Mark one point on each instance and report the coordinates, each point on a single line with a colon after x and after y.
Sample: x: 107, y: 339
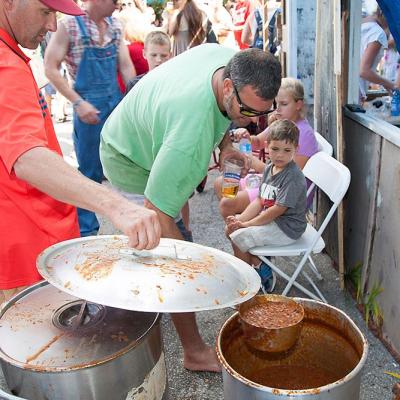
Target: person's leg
x: 197, y: 356
x: 187, y: 235
x: 86, y: 143
x: 245, y: 256
x: 49, y: 99
x: 186, y: 215
x: 218, y: 187
x: 6, y: 294
x: 235, y: 205
x: 49, y: 92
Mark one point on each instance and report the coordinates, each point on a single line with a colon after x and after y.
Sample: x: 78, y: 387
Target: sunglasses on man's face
x: 247, y: 111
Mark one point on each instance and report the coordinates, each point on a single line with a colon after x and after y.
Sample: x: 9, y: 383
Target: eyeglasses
x: 247, y: 111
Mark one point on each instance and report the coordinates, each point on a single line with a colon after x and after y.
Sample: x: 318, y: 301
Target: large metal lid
x: 94, y: 269
x: 37, y: 330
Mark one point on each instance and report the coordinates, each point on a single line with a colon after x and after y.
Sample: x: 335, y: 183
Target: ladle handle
x: 78, y: 319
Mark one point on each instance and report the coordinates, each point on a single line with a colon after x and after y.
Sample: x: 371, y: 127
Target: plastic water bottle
x: 253, y: 181
x: 245, y: 146
x: 395, y: 103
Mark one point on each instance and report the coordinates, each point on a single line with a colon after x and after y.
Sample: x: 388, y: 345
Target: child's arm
x: 251, y: 211
x: 257, y: 165
x: 265, y: 217
x: 172, y: 21
x: 258, y: 141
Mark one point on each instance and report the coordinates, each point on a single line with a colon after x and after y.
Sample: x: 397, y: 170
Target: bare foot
x: 204, y: 360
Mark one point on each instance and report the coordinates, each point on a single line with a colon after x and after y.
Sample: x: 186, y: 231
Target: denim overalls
x: 96, y: 82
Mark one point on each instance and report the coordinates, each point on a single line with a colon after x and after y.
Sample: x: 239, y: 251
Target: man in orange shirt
x: 36, y: 185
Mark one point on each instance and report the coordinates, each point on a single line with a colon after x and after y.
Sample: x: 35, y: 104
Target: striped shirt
x: 76, y: 47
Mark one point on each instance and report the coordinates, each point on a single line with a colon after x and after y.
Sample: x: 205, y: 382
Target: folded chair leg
x: 287, y: 277
x: 313, y: 267
x: 315, y: 287
x: 295, y: 274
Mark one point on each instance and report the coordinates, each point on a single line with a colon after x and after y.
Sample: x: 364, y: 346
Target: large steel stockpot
x: 112, y: 354
x: 325, y: 363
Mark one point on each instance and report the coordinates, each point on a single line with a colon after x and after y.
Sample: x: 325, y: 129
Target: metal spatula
x: 146, y: 253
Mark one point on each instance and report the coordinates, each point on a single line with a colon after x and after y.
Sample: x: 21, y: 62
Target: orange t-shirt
x: 240, y: 14
x: 30, y: 220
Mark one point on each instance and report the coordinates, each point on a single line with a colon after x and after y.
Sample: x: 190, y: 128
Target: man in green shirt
x: 159, y: 139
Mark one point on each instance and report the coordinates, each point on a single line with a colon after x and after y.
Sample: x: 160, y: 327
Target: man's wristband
x: 76, y: 103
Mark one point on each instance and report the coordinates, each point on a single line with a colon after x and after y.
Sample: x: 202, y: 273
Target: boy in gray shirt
x: 277, y: 215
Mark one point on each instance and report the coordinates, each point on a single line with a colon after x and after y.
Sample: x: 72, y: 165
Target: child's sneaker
x: 268, y: 277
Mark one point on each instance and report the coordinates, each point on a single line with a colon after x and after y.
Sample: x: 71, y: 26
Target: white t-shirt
x: 371, y: 32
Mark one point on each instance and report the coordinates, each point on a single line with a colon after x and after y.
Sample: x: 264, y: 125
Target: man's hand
x: 140, y: 224
x: 87, y: 113
x: 239, y: 134
x: 231, y: 152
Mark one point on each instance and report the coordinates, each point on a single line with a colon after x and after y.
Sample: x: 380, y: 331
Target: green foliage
x: 371, y: 305
x: 369, y: 301
x: 354, y: 276
x: 158, y: 7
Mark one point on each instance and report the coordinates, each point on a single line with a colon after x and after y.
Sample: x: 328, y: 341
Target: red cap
x: 64, y: 6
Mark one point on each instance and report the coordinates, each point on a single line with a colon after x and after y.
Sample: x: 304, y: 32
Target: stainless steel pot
x: 331, y: 350
x: 112, y: 354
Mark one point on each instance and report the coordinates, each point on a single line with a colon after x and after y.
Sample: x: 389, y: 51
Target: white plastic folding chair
x: 326, y: 147
x: 333, y: 178
x: 323, y: 144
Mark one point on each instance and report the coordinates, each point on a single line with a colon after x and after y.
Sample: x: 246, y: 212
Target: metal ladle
x: 271, y: 340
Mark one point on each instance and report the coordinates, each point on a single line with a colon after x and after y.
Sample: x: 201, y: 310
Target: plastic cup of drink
x: 231, y: 177
x: 253, y: 181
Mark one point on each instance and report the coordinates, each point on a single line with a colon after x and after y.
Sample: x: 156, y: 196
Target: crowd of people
x: 153, y: 96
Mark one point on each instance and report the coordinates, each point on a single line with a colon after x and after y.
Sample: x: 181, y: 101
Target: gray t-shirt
x: 286, y: 188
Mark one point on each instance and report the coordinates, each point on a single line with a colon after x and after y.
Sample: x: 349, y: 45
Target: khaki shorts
x: 262, y: 235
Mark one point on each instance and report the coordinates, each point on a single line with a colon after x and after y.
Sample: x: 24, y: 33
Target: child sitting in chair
x: 277, y: 215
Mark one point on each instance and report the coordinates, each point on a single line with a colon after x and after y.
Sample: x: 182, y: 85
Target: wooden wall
x: 300, y: 24
x: 372, y: 226
x: 325, y: 104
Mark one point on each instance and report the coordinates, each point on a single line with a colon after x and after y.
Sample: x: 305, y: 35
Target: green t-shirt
x: 159, y: 139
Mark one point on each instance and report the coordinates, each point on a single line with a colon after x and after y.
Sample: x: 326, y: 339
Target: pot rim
x: 47, y: 369
x: 290, y: 392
